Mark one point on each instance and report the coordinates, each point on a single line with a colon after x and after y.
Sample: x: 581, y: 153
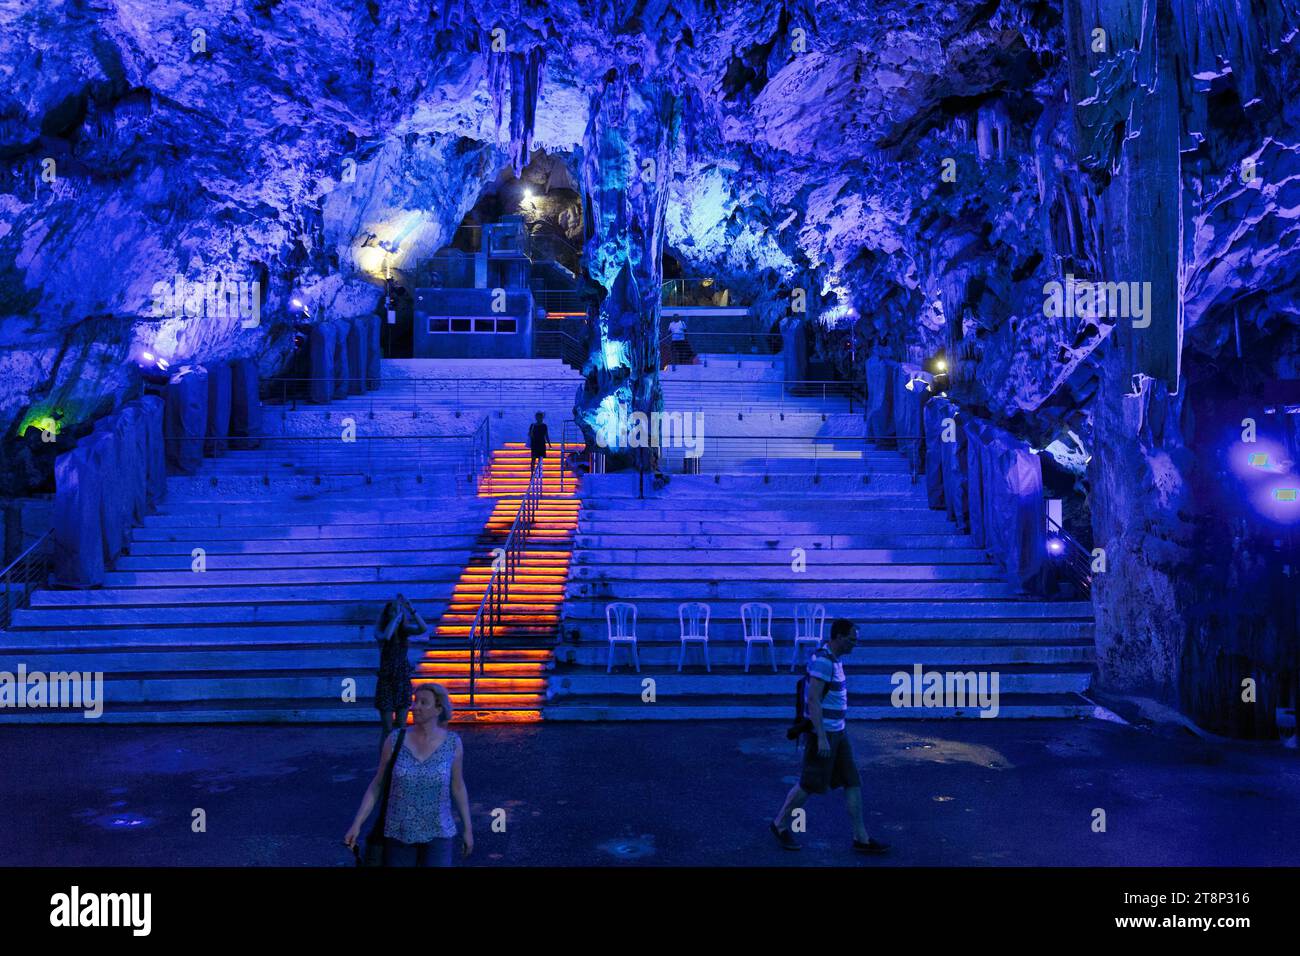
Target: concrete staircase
x: 281, y: 617
x: 920, y: 592
x: 754, y: 424
x: 785, y: 477
x: 300, y: 549
x: 512, y: 686
x: 299, y: 555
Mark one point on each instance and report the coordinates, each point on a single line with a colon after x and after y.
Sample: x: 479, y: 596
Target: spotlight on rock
x: 154, y: 369
x: 937, y: 366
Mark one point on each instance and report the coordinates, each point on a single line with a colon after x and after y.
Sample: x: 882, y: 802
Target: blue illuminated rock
x: 245, y: 405
x: 130, y: 430
x: 342, y: 372
x: 323, y: 352
x: 358, y: 358
x: 78, y: 530
x: 102, y: 462
x: 932, y: 421
x: 151, y: 407
x: 880, y: 376
x: 186, y: 418
x: 219, y: 398
x: 374, y: 351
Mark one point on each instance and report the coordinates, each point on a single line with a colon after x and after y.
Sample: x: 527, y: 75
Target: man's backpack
x: 802, y: 722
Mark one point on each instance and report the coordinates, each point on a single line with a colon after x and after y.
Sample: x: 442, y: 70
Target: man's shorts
x: 836, y: 769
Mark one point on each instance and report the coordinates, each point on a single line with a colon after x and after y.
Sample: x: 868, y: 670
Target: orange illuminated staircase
x: 512, y: 686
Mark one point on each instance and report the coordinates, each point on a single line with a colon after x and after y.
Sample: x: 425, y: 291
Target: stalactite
x: 627, y: 154
x: 526, y: 71
x: 498, y: 84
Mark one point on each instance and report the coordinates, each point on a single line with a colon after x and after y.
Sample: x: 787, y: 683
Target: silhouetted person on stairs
x: 539, y: 440
x: 398, y: 622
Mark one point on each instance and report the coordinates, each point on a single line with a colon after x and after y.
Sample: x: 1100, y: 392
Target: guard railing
x: 505, y: 565
x: 29, y: 571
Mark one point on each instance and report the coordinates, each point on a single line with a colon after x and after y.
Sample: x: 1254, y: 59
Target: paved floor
x: 945, y: 793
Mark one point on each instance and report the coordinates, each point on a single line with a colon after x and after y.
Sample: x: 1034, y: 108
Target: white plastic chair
x: 809, y: 623
x: 620, y: 621
x: 756, y: 617
x: 693, y: 616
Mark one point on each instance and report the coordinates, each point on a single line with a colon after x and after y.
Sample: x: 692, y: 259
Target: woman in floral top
x: 428, y: 779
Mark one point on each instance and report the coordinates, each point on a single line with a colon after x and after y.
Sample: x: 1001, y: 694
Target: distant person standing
x: 398, y: 622
x: 677, y: 341
x: 828, y: 756
x: 539, y: 440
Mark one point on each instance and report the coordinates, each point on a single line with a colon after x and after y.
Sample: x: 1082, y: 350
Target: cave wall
x: 915, y: 177
x: 1187, y: 610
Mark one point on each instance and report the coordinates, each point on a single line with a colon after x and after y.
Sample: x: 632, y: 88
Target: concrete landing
x: 952, y: 793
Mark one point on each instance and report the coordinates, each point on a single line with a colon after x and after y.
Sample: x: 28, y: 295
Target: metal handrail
x: 491, y: 608
x: 480, y: 451
x: 707, y: 342
x: 675, y: 289
x: 1076, y: 559
x: 579, y: 442
x: 556, y: 343
x: 25, y: 573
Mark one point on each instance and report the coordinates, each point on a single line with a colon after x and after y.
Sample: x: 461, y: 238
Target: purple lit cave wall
x: 897, y: 181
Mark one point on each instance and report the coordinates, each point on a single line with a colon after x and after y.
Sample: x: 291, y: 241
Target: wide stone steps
x: 450, y: 569
x: 319, y: 685
x: 709, y: 542
x: 453, y: 527
x: 336, y: 514
x: 769, y: 707
x: 369, y: 560
x: 281, y: 621
x: 757, y: 558
x: 734, y: 593
x: 894, y: 654
x: 359, y: 658
x: 379, y: 487
x: 920, y: 592
x: 656, y: 612
x: 761, y: 680
x: 598, y: 571
x: 180, y: 616
x: 420, y: 542
x: 859, y: 525
x: 864, y: 504
x: 264, y: 595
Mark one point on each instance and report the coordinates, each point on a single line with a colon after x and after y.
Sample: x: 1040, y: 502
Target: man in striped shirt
x: 828, y: 755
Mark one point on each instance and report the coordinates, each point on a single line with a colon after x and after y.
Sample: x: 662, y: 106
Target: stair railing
x: 1073, y: 559
x: 557, y: 343
x: 26, y: 573
x: 578, y: 443
x: 491, y: 609
x: 480, y: 453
